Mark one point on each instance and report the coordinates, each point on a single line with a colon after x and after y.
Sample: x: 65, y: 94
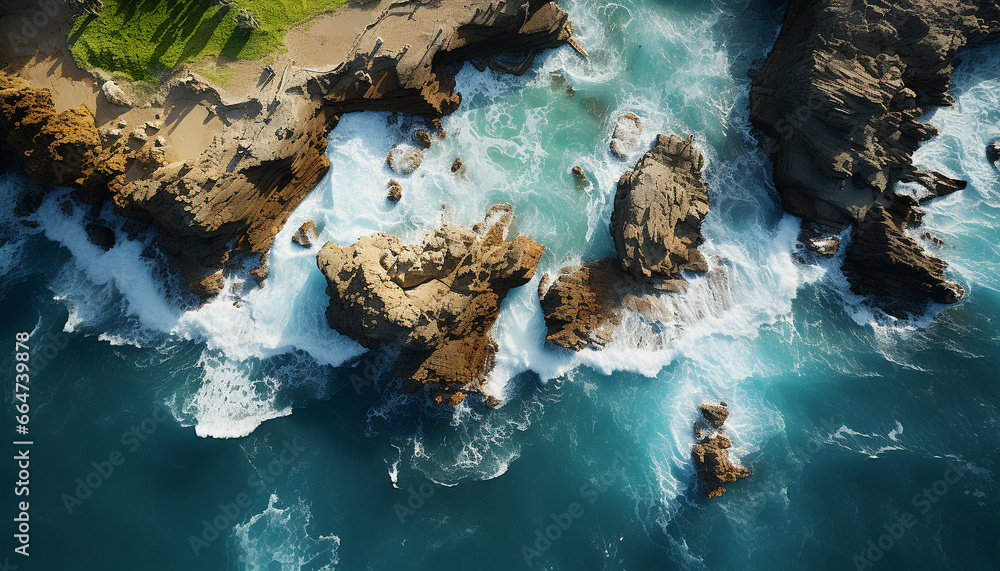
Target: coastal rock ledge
x: 435, y: 301
x: 839, y: 102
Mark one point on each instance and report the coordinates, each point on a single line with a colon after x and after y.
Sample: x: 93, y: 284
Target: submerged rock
x: 711, y: 458
x: 625, y: 138
x: 404, y: 158
x: 659, y: 208
x: 305, y: 235
x: 435, y: 301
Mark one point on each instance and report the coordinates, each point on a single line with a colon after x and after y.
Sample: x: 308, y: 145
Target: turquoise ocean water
x: 251, y: 436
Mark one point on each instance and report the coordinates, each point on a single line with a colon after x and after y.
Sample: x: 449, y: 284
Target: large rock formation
x: 659, y: 209
x: 711, y: 458
x: 436, y: 301
x: 236, y: 194
x: 656, y: 225
x: 839, y: 100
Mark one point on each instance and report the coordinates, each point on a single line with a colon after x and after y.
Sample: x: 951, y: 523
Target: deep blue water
x: 249, y: 416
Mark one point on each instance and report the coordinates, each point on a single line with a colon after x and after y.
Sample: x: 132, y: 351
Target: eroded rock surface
x: 436, y: 301
x: 656, y: 227
x: 839, y: 99
x: 235, y: 194
x: 659, y: 208
x: 582, y: 306
x: 711, y: 458
x: 886, y: 264
x: 625, y: 137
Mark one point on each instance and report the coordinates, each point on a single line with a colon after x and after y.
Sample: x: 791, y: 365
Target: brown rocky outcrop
x: 60, y: 149
x: 582, y: 306
x: 711, y: 458
x: 839, y: 100
x: 884, y: 263
x: 656, y: 226
x: 271, y: 151
x: 435, y: 301
x: 659, y: 209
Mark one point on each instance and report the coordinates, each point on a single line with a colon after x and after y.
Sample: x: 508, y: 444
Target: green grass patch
x: 146, y: 39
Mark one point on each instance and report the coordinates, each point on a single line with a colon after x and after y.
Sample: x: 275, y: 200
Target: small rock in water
x: 625, y: 138
x: 993, y: 151
x: 581, y: 177
x: 100, y: 236
x: 305, y: 235
x: 711, y: 453
x: 458, y: 166
x: 423, y: 138
x: 395, y: 191
x: 439, y: 128
x: 932, y: 239
x: 404, y: 158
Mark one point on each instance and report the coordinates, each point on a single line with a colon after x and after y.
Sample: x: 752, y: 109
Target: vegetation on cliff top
x: 144, y: 39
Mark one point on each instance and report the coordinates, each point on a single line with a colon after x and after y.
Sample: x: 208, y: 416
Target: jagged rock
x: 457, y: 166
x: 582, y: 306
x: 993, y: 151
x: 404, y: 158
x: 839, y: 100
x: 937, y: 241
x: 115, y: 95
x: 436, y: 301
x: 203, y: 282
x: 716, y: 415
x: 305, y: 235
x: 625, y: 138
x: 841, y: 94
x: 711, y: 458
x: 883, y: 262
x: 659, y: 209
x: 101, y: 236
x: 220, y: 201
x: 423, y: 138
x: 395, y: 191
x: 59, y: 149
x: 819, y: 239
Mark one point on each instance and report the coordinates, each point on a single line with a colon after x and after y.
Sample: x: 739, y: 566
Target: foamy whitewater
x: 842, y: 412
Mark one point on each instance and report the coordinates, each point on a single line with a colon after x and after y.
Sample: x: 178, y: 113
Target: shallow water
x: 285, y: 435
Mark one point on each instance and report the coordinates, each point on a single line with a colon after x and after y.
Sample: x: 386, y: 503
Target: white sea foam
x: 282, y: 539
